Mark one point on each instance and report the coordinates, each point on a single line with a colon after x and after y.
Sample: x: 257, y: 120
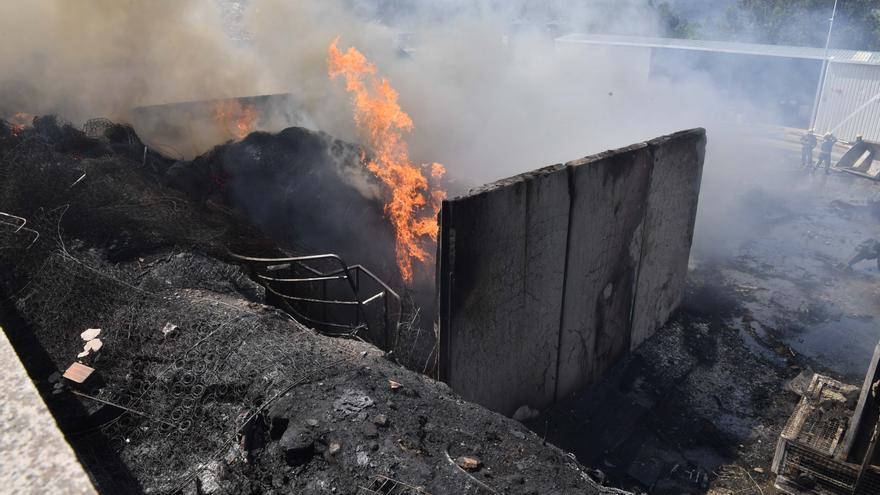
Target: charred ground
x: 238, y: 398
x: 699, y: 407
x: 200, y: 388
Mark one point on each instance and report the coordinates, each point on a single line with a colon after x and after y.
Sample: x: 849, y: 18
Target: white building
x: 783, y: 80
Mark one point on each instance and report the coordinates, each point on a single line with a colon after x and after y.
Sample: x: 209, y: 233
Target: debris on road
x: 168, y: 329
x: 468, y: 463
x: 93, y: 345
x: 352, y: 401
x: 78, y: 373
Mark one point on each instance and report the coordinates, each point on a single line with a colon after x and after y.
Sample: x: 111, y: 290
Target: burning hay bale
x: 304, y: 189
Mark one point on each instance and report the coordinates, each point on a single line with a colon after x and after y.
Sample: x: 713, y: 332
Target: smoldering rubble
x: 199, y: 387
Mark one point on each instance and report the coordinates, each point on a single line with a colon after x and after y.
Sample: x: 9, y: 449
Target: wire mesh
x: 96, y: 128
x: 183, y: 373
x: 383, y: 485
x: 811, y: 438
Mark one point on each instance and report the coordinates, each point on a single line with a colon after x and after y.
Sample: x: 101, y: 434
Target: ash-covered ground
x: 699, y: 407
x: 199, y: 387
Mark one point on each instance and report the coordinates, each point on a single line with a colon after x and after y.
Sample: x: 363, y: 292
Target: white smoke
x: 490, y: 92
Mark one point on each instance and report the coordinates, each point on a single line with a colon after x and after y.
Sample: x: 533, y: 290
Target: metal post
x: 389, y: 346
x: 324, y: 297
x: 820, y: 88
x: 866, y: 462
x: 360, y: 307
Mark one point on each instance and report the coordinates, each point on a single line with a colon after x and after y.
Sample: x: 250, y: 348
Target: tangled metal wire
x: 180, y: 377
x: 185, y: 370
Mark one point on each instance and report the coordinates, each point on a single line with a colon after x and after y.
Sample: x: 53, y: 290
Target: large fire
x: 412, y: 207
x: 235, y: 119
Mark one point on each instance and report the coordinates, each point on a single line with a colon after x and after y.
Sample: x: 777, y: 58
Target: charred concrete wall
x: 547, y: 278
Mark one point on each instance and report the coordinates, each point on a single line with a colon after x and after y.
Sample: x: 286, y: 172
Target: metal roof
x: 804, y: 52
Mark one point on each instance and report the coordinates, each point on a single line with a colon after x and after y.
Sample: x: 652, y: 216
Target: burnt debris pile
x: 196, y: 386
x: 312, y: 194
x: 306, y: 190
x: 52, y: 171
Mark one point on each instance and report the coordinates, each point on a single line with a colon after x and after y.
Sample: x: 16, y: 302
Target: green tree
x: 676, y: 26
x: 805, y: 22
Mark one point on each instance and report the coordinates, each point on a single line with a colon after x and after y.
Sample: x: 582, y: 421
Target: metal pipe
x: 276, y: 261
x: 275, y: 268
x: 299, y: 280
x: 856, y: 112
x: 388, y: 342
x: 324, y: 296
x: 373, y: 297
x: 318, y: 301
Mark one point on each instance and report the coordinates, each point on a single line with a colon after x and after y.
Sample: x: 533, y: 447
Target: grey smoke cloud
x: 101, y: 57
x: 490, y: 94
x: 488, y: 91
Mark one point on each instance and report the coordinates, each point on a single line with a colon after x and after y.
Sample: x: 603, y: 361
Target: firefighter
x: 825, y: 151
x: 808, y: 144
x: 867, y: 250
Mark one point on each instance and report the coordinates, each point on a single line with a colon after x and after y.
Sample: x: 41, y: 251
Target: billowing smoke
x: 101, y: 57
x: 490, y: 92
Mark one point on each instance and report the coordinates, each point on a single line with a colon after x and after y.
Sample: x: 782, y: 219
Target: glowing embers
x: 413, y: 205
x: 20, y: 121
x: 234, y: 119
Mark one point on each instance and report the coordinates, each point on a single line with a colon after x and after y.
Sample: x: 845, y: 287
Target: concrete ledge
x: 34, y: 456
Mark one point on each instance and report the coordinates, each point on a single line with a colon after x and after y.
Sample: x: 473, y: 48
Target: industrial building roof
x: 805, y: 52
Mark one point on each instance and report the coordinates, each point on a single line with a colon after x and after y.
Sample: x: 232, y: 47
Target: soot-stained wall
x: 547, y: 278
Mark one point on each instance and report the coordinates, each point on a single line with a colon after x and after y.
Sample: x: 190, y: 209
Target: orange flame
x: 383, y: 123
x: 20, y: 121
x: 235, y: 119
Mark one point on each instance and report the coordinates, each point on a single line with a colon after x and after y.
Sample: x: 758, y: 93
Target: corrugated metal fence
x: 850, y: 103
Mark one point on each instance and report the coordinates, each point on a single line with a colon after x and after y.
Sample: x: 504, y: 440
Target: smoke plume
x: 94, y: 58
x: 490, y: 92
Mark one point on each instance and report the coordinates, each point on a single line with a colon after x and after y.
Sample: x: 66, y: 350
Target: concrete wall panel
x: 608, y: 207
x: 544, y: 280
x: 507, y: 245
x: 669, y: 229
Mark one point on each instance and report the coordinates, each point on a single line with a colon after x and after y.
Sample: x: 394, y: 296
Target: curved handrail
x: 343, y: 272
x: 18, y: 223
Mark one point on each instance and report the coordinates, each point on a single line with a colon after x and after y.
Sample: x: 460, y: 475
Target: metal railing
x: 17, y: 224
x: 337, y: 298
x: 383, y: 485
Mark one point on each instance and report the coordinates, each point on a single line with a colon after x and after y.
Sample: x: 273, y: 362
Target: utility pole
x: 824, y: 74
